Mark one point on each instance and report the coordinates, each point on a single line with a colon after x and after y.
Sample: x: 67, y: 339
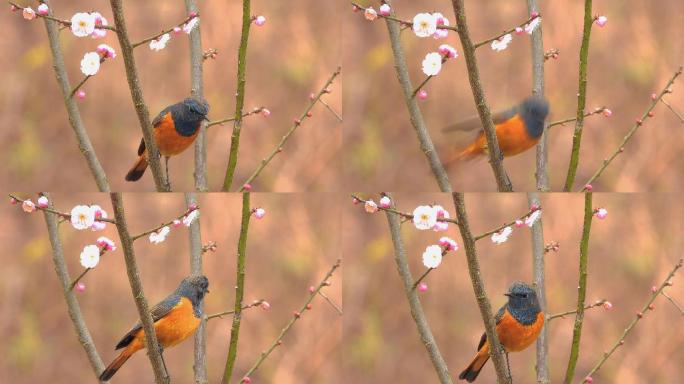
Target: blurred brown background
x: 285, y: 64
x: 634, y: 248
x: 634, y: 55
x: 287, y: 251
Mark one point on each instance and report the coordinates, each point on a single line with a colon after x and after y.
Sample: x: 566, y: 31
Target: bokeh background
x: 285, y: 64
x: 634, y: 248
x: 631, y: 57
x: 290, y: 249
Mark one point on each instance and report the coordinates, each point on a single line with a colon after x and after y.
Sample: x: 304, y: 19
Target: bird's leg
x: 508, y: 366
x: 166, y: 166
x: 161, y: 354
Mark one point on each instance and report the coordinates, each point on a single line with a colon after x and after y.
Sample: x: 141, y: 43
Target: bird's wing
x: 498, y: 317
x: 158, y: 311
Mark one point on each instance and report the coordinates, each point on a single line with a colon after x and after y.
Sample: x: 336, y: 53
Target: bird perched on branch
x: 175, y: 129
x: 518, y: 324
x: 175, y: 319
x: 517, y: 130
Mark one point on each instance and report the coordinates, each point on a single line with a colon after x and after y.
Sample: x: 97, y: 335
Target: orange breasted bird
x: 175, y: 319
x: 518, y: 324
x: 175, y: 129
x: 517, y: 129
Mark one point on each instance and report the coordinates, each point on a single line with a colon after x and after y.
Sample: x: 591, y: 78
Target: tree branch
x: 229, y: 119
x: 581, y: 97
x: 196, y: 252
x: 415, y: 114
x: 496, y: 350
x: 581, y: 288
x: 73, y: 307
x: 239, y: 288
x: 404, y: 215
x: 155, y: 229
x: 165, y: 31
x: 499, y: 228
x: 538, y: 276
x: 239, y: 95
x: 221, y: 314
x: 162, y: 185
x: 502, y: 34
x: 598, y: 303
x: 495, y: 155
x: 154, y: 350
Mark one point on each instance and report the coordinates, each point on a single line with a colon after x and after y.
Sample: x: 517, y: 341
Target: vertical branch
x: 239, y: 95
x: 414, y: 302
x: 239, y: 289
x: 412, y: 105
x: 200, y: 364
x: 84, y: 144
x: 197, y: 90
x: 581, y: 288
x: 69, y: 295
x: 153, y: 347
x: 540, y: 286
x: 160, y: 181
x: 495, y: 155
x: 581, y: 97
x: 496, y: 352
x: 537, y: 40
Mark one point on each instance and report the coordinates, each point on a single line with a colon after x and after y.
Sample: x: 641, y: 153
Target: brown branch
x: 170, y: 222
x: 573, y: 119
x: 51, y: 17
x: 598, y: 303
x: 671, y: 108
x: 65, y: 216
x: 165, y: 31
x: 539, y: 278
x: 502, y: 34
x: 499, y: 228
x: 332, y: 303
x: 541, y: 173
x: 73, y: 307
x: 495, y: 155
x: 329, y: 108
x: 633, y: 130
x: 496, y: 352
x: 154, y: 351
x: 278, y: 341
x: 227, y: 120
x: 279, y: 147
x: 674, y: 302
x: 138, y: 99
x: 639, y: 316
x: 255, y: 303
x: 196, y: 252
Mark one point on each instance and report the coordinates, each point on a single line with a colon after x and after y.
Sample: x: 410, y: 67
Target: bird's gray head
x: 194, y: 287
x: 522, y: 302
x: 534, y: 111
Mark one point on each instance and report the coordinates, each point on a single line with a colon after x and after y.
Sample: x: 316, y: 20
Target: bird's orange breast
x: 169, y: 141
x: 511, y: 135
x: 179, y: 324
x: 515, y: 336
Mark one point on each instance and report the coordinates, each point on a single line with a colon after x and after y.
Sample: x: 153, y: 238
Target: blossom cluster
x: 502, y: 42
x: 160, y: 42
x: 502, y: 235
x: 159, y: 236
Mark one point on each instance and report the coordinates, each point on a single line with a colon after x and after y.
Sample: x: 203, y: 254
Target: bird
x: 518, y: 324
x: 175, y: 319
x: 517, y: 130
x: 175, y: 129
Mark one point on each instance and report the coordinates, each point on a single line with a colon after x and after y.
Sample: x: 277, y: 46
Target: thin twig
x: 499, y: 228
x: 581, y: 97
x: 165, y: 31
x: 633, y: 130
x: 598, y: 303
x: 74, y: 309
x: 674, y: 302
x: 279, y: 147
x: 239, y: 96
x: 421, y: 278
x: 502, y: 34
x: 668, y: 105
x: 495, y: 155
x: 326, y: 105
x: 581, y: 288
x: 278, y: 341
x: 239, y: 288
x: 639, y: 316
x: 255, y: 303
x: 416, y: 116
x: 572, y: 119
x: 496, y: 350
x: 161, y: 184
x: 155, y: 229
x: 227, y: 120
x: 332, y: 303
x: 153, y: 350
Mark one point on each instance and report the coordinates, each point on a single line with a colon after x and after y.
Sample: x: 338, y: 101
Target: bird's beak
x: 206, y: 118
x: 507, y: 294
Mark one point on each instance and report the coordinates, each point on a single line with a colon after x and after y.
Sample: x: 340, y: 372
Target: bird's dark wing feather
x: 474, y: 123
x: 498, y: 317
x: 158, y: 311
x: 160, y: 116
x: 141, y: 148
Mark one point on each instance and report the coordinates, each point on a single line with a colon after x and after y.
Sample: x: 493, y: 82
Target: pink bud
x: 519, y: 223
x: 42, y: 202
x: 312, y: 96
x: 296, y: 314
x: 259, y: 213
x: 177, y: 29
x: 309, y: 114
x: 654, y: 289
x: 370, y: 14
x: 651, y: 307
x: 589, y: 187
x: 650, y: 113
x: 588, y: 380
x: 43, y: 9
x: 308, y: 306
x: 246, y: 380
x: 259, y: 21
x: 297, y: 122
x: 265, y: 112
x: 639, y: 122
x: 265, y: 305
x: 81, y: 94
x: 519, y: 31
x: 14, y: 201
x: 80, y: 287
x: 601, y: 213
x: 247, y: 187
x: 312, y: 289
x: 654, y: 96
x: 385, y: 202
x: 192, y: 14
x: 422, y: 94
x: 607, y: 305
x: 422, y: 287
x: 385, y: 10
x: 177, y: 223
x: 370, y: 206
x: 28, y: 13
x: 601, y: 21
x: 355, y: 200
x: 534, y: 15
x: 607, y: 112
x: 192, y: 207
x: 534, y: 207
x: 28, y: 206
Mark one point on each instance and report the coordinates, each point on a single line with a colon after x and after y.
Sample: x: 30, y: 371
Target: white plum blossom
x: 502, y: 43
x: 259, y: 213
x: 424, y: 217
x: 106, y: 51
x: 432, y: 64
x: 82, y: 24
x: 432, y: 257
x: 441, y: 214
x: 160, y: 43
x: 43, y: 9
x: 601, y: 21
x: 106, y: 243
x: 98, y: 213
x: 370, y: 14
x: 43, y: 202
x: 424, y: 25
x: 90, y: 256
x: 99, y: 33
x: 385, y: 10
x: 440, y: 33
x: 531, y: 219
x: 601, y: 213
x: 448, y: 243
x: 82, y: 217
x: 190, y: 217
x: 90, y: 63
x: 385, y: 202
x: 448, y: 51
x: 160, y: 235
x: 370, y: 206
x: 502, y: 236
x: 532, y: 25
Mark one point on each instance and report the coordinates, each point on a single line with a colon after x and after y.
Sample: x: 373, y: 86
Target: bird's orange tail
x: 138, y: 169
x: 116, y: 364
x: 470, y: 374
